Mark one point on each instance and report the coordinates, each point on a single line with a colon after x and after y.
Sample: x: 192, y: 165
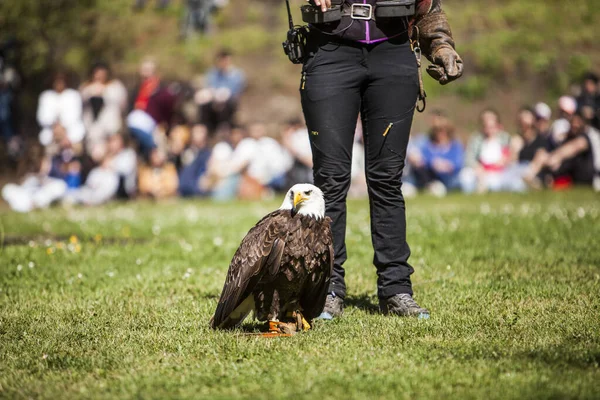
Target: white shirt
x: 64, y: 108
x: 100, y: 186
x: 265, y: 159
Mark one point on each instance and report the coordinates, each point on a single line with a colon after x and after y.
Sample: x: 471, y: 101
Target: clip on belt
x: 361, y: 11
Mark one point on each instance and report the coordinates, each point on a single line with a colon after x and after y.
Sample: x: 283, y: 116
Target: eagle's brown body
x: 283, y: 265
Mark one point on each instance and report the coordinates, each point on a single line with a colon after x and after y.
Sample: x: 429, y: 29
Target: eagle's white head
x: 304, y: 199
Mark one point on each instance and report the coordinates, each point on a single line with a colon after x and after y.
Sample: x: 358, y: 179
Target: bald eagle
x: 282, y: 268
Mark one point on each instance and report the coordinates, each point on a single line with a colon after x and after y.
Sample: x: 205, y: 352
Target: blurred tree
x: 49, y: 30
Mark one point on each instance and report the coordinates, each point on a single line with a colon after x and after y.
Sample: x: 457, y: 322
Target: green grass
x: 512, y: 282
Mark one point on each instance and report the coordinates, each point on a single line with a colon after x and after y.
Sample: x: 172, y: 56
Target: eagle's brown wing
x: 258, y: 257
x: 315, y: 290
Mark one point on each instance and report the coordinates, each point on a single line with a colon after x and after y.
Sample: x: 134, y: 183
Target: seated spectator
x: 60, y: 106
x: 529, y: 141
x: 198, y: 143
x: 567, y: 106
x: 177, y: 142
x: 589, y: 99
x: 441, y: 160
x: 219, y: 100
x: 101, y: 185
x: 576, y: 160
x: 543, y: 115
x: 192, y: 171
x: 123, y: 160
x: 158, y: 179
x: 154, y: 104
x: 259, y: 173
x: 414, y: 157
x: 297, y: 143
x: 104, y: 102
x: 487, y: 157
x: 222, y: 186
x: 358, y: 179
x: 56, y: 176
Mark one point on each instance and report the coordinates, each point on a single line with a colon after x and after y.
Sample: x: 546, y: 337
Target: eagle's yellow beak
x: 298, y: 198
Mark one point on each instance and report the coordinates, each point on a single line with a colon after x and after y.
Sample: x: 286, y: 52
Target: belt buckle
x: 362, y: 8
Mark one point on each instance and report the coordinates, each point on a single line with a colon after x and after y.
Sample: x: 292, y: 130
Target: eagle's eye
x: 308, y: 192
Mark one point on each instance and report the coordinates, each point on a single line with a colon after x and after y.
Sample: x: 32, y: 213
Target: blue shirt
x: 453, y: 152
x: 234, y: 80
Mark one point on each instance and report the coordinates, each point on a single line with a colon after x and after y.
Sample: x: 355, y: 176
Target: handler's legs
x: 387, y: 110
x: 330, y: 92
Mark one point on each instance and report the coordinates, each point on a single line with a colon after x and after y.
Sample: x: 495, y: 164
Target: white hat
x: 542, y: 111
x: 567, y: 104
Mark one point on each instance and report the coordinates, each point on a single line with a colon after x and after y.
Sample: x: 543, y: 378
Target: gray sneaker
x: 334, y: 307
x: 403, y: 305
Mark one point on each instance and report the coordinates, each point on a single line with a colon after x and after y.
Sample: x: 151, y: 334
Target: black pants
x: 339, y: 79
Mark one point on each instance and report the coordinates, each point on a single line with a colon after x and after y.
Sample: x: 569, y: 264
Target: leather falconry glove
x: 437, y: 44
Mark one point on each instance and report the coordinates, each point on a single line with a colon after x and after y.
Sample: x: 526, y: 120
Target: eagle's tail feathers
x: 238, y: 315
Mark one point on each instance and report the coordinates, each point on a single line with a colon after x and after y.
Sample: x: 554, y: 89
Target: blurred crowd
x: 550, y: 149
x: 102, y: 141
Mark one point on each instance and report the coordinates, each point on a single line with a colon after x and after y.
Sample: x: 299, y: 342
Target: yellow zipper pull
x: 303, y: 80
x: 388, y: 129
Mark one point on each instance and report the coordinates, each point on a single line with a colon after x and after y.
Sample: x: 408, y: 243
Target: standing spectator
x: 9, y: 82
x: 158, y: 179
x: 104, y: 103
x: 160, y: 4
x: 60, y: 108
x: 589, y: 99
x: 224, y: 84
x: 154, y: 104
x: 441, y: 160
x: 194, y: 169
x: 576, y: 160
x: 197, y: 17
x: 487, y: 157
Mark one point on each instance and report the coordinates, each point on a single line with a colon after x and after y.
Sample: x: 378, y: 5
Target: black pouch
x: 395, y: 8
x: 314, y: 15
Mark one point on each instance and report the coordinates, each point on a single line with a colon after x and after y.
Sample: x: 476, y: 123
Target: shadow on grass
x: 566, y: 354
x: 363, y: 302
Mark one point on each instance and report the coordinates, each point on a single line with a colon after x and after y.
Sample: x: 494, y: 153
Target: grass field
x: 114, y: 303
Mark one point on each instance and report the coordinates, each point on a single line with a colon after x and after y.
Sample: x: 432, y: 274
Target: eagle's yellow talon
x: 274, y: 326
x: 305, y: 325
